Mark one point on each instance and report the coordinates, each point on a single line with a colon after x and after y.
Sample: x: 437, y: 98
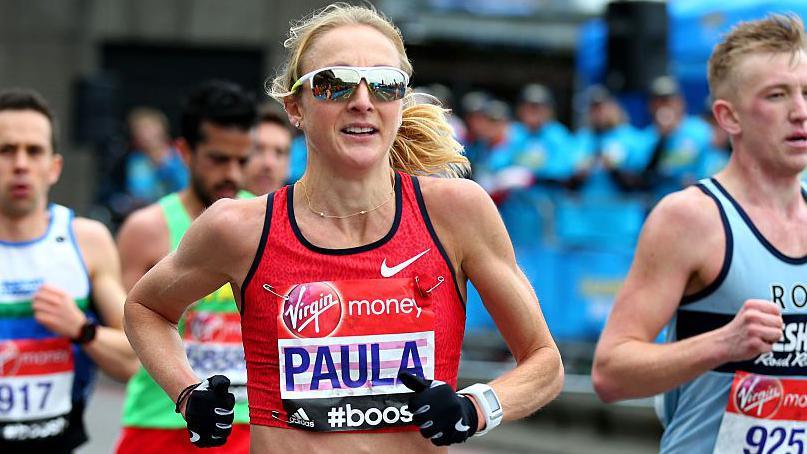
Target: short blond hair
x: 777, y: 33
x: 424, y: 143
x: 139, y: 114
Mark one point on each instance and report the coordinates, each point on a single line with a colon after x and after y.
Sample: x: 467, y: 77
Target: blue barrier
x: 599, y: 224
x: 523, y: 215
x: 576, y: 266
x: 539, y: 265
x: 476, y: 316
x: 576, y: 289
x: 590, y: 281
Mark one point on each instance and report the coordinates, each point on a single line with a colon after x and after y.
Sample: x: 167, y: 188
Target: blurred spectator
x: 154, y: 167
x: 268, y: 166
x: 538, y: 149
x: 608, y: 145
x: 446, y: 98
x: 496, y: 133
x: 511, y: 184
x: 540, y: 143
x: 476, y: 128
x: 606, y: 148
x: 497, y: 138
x: 677, y: 142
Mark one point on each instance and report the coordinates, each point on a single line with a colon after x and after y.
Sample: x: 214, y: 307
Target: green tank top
x: 211, y: 331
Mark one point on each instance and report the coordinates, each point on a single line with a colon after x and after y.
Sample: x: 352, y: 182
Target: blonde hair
x: 776, y: 33
x: 139, y: 114
x: 425, y: 142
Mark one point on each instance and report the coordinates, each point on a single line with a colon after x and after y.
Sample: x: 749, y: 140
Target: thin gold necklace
x: 322, y: 214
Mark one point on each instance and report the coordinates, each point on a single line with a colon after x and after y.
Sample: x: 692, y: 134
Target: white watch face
x: 493, y: 402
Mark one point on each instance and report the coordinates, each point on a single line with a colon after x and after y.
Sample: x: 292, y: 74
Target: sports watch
x: 488, y: 401
x: 87, y: 332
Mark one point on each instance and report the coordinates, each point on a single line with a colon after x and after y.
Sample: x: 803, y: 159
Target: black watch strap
x: 87, y: 332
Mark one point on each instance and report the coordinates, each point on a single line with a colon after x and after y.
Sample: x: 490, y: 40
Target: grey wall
x: 48, y: 44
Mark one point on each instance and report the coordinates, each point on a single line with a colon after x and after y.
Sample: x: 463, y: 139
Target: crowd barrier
x: 576, y: 252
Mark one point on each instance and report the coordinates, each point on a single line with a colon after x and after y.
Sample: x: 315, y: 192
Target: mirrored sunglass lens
x: 386, y: 84
x: 334, y: 84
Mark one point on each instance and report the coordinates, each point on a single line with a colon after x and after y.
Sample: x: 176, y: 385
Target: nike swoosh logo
x: 194, y: 436
x: 461, y: 427
x: 389, y: 272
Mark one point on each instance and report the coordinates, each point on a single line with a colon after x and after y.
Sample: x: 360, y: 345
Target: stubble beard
x: 201, y: 193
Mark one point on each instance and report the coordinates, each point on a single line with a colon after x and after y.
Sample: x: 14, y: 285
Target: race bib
x: 764, y: 415
x: 214, y: 346
x: 36, y: 385
x: 341, y: 346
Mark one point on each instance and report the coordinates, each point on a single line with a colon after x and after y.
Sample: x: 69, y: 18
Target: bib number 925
x: 28, y: 397
x: 775, y: 440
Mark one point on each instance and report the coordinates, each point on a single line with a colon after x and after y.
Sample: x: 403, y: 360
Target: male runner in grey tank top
x: 721, y: 264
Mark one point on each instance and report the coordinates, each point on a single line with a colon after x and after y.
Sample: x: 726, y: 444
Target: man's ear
x: 726, y: 116
x: 185, y: 151
x: 56, y: 166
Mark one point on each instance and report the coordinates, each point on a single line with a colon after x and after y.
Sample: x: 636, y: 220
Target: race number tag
x: 341, y: 346
x: 764, y: 414
x: 214, y: 346
x: 36, y: 385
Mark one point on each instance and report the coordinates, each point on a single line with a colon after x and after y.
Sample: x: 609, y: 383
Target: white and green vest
x: 44, y: 379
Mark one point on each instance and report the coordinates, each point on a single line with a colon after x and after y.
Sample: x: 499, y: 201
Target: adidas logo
x: 301, y: 414
x: 300, y: 417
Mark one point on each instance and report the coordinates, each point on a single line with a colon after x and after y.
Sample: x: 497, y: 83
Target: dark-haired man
x: 61, y: 299
x: 216, y: 139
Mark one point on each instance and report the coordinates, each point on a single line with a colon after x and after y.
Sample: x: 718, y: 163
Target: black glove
x: 209, y: 412
x: 442, y: 415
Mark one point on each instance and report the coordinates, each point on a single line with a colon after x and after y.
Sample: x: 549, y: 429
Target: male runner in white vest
x: 61, y: 299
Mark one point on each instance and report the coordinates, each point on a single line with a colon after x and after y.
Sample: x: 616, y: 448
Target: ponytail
x: 425, y: 142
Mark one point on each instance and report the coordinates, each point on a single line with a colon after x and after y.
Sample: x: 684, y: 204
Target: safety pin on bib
x: 276, y: 415
x: 271, y: 290
x: 440, y: 280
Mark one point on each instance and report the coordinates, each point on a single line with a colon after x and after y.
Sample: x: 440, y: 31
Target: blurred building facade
x: 95, y: 59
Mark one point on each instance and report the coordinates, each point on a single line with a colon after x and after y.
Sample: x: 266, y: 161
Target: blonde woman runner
x: 351, y: 283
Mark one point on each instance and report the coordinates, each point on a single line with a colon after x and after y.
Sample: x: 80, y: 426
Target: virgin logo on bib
x: 758, y: 396
x: 764, y: 414
x: 312, y: 310
x: 341, y: 345
x: 213, y: 344
x: 36, y: 382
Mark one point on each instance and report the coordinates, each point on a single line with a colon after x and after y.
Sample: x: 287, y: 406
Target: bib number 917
x: 27, y: 397
x: 774, y: 440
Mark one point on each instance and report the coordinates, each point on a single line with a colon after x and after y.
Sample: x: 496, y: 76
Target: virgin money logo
x: 759, y: 396
x: 312, y: 310
x: 9, y: 359
x: 213, y: 327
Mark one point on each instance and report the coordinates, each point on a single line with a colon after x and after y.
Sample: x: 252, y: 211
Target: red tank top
x: 326, y: 331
